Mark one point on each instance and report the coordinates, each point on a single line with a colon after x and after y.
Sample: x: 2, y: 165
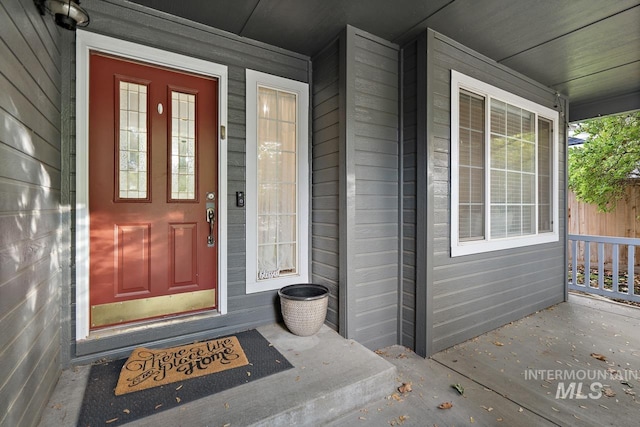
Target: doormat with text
x: 168, y: 378
x: 148, y: 368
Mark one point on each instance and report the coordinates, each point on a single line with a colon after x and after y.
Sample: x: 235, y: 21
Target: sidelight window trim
x: 254, y: 81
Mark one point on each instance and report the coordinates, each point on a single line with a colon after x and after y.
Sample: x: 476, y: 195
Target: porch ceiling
x: 588, y: 50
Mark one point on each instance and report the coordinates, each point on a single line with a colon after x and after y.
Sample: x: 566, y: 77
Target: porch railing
x: 609, y: 271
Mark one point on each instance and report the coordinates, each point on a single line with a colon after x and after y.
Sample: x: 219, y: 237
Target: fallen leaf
x: 179, y: 387
x: 605, y: 407
x: 157, y: 406
x: 520, y: 410
x: 445, y: 405
x: 226, y: 405
x: 629, y: 391
x: 471, y: 420
x: 498, y: 343
x: 458, y: 388
x: 599, y: 356
x: 248, y: 373
x: 557, y: 410
x: 362, y: 419
x: 178, y: 399
x: 396, y: 396
x: 298, y: 378
x: 489, y: 409
x: 608, y: 392
x: 111, y: 420
x: 405, y: 388
x: 126, y: 411
x: 403, y: 418
x: 499, y: 420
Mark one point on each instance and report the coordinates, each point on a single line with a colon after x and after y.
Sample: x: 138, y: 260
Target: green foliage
x: 601, y: 169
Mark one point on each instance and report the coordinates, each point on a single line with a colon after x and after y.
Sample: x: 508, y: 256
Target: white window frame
x: 460, y: 82
x: 255, y: 79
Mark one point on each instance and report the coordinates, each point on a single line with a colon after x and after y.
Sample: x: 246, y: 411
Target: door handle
x: 211, y: 219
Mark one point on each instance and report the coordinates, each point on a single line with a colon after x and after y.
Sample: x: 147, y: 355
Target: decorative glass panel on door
x: 132, y: 142
x: 277, y: 183
x: 183, y: 146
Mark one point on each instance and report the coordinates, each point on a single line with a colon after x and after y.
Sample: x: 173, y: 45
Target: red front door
x: 152, y: 191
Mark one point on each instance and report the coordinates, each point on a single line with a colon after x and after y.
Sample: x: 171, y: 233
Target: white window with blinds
x: 504, y: 178
x: 277, y: 193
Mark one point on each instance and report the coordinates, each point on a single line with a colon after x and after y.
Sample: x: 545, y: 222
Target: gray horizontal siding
x: 131, y: 22
x: 373, y: 105
x: 139, y: 24
x: 325, y: 243
x: 474, y: 294
x: 30, y: 211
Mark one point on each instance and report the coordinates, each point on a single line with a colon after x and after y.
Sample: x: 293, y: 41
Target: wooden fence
x: 584, y: 219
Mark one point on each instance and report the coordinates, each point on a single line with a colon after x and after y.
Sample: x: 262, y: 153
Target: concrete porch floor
x: 337, y: 382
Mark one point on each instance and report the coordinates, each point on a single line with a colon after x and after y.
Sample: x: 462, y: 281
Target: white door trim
x: 85, y: 42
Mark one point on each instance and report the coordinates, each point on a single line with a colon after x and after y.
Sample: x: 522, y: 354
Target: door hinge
x: 223, y: 132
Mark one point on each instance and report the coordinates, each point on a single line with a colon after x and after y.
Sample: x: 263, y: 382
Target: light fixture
x: 67, y: 13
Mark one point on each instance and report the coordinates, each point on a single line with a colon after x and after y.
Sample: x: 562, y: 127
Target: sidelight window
x: 277, y: 182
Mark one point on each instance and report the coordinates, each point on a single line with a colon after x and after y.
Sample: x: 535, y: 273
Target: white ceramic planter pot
x: 304, y: 307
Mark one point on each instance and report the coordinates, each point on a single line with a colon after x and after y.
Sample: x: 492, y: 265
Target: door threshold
x: 150, y: 324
